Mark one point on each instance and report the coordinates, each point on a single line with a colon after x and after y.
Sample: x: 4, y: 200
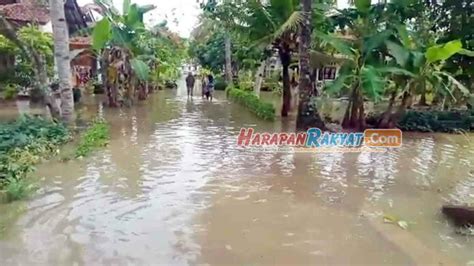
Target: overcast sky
x: 181, y: 14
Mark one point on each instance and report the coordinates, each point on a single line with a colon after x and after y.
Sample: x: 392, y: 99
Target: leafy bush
x: 10, y: 91
x: 29, y: 131
x: 261, y: 109
x: 97, y: 135
x: 220, y: 84
x: 23, y: 143
x: 436, y: 121
x: 269, y: 86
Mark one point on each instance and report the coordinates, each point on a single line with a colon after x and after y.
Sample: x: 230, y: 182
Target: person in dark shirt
x: 210, y: 87
x: 190, y: 83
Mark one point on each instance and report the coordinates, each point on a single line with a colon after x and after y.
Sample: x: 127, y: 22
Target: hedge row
x: 436, y: 121
x: 251, y: 101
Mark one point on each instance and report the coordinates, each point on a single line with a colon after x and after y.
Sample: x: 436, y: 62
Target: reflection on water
x: 172, y: 188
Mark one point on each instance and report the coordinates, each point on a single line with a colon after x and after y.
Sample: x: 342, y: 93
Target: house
x: 24, y: 12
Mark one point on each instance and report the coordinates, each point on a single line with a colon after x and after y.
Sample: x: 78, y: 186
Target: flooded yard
x: 173, y: 188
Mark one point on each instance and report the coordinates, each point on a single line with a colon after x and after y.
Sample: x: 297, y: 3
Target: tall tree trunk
x: 61, y: 54
x: 49, y: 95
x: 308, y: 115
x: 386, y: 119
x: 260, y: 76
x: 228, y: 60
x: 285, y: 58
x: 354, y: 117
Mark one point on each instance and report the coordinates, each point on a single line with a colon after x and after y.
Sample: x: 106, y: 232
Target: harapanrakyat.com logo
x: 314, y: 139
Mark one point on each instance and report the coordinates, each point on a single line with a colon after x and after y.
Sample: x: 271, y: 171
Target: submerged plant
x: 97, y: 135
x: 17, y: 189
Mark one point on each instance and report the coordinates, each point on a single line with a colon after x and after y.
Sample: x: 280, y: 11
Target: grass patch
x: 262, y: 109
x: 96, y: 136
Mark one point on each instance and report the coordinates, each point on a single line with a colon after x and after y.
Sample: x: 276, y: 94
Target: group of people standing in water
x: 207, y: 85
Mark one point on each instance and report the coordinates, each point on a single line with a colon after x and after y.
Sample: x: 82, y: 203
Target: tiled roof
x: 26, y: 13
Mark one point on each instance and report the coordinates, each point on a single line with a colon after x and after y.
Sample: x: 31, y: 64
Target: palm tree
x: 275, y: 24
x: 228, y: 59
x: 308, y: 115
x: 61, y: 54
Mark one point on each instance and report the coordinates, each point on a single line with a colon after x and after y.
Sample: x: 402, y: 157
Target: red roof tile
x: 25, y: 12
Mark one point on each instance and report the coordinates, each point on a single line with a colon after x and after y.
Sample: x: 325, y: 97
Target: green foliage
x: 457, y: 25
x: 29, y: 130
x: 96, y: 136
x: 362, y: 6
x: 372, y: 82
x: 10, y: 91
x: 35, y: 40
x: 126, y: 30
x: 262, y: 109
x: 246, y: 79
x: 17, y: 189
x: 23, y: 144
x: 400, y: 54
x: 140, y: 68
x: 6, y: 46
x: 101, y: 34
x: 443, y: 51
x: 220, y: 84
x: 210, y: 53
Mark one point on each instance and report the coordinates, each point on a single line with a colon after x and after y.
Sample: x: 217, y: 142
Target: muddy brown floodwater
x: 172, y: 188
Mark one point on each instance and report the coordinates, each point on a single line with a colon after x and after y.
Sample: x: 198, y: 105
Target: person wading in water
x: 210, y: 87
x: 203, y: 85
x: 190, y: 83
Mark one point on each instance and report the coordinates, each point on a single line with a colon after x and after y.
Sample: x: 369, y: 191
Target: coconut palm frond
x: 204, y: 29
x: 260, y: 7
x: 291, y: 24
x: 263, y: 42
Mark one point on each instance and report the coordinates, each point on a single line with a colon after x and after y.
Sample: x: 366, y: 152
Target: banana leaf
x: 140, y: 68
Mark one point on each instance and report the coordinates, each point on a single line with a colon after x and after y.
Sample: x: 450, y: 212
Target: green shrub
x: 220, y: 84
x: 435, y: 121
x: 245, y: 86
x: 16, y: 189
x: 251, y: 101
x: 10, y: 91
x: 23, y: 143
x: 97, y: 135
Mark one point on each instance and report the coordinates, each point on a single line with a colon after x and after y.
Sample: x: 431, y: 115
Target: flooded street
x: 172, y: 188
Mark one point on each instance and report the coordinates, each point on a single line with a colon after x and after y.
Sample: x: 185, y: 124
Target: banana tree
x: 116, y: 35
x: 361, y: 73
x: 424, y: 72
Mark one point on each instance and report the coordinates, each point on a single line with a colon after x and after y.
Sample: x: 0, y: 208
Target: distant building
x: 25, y: 12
